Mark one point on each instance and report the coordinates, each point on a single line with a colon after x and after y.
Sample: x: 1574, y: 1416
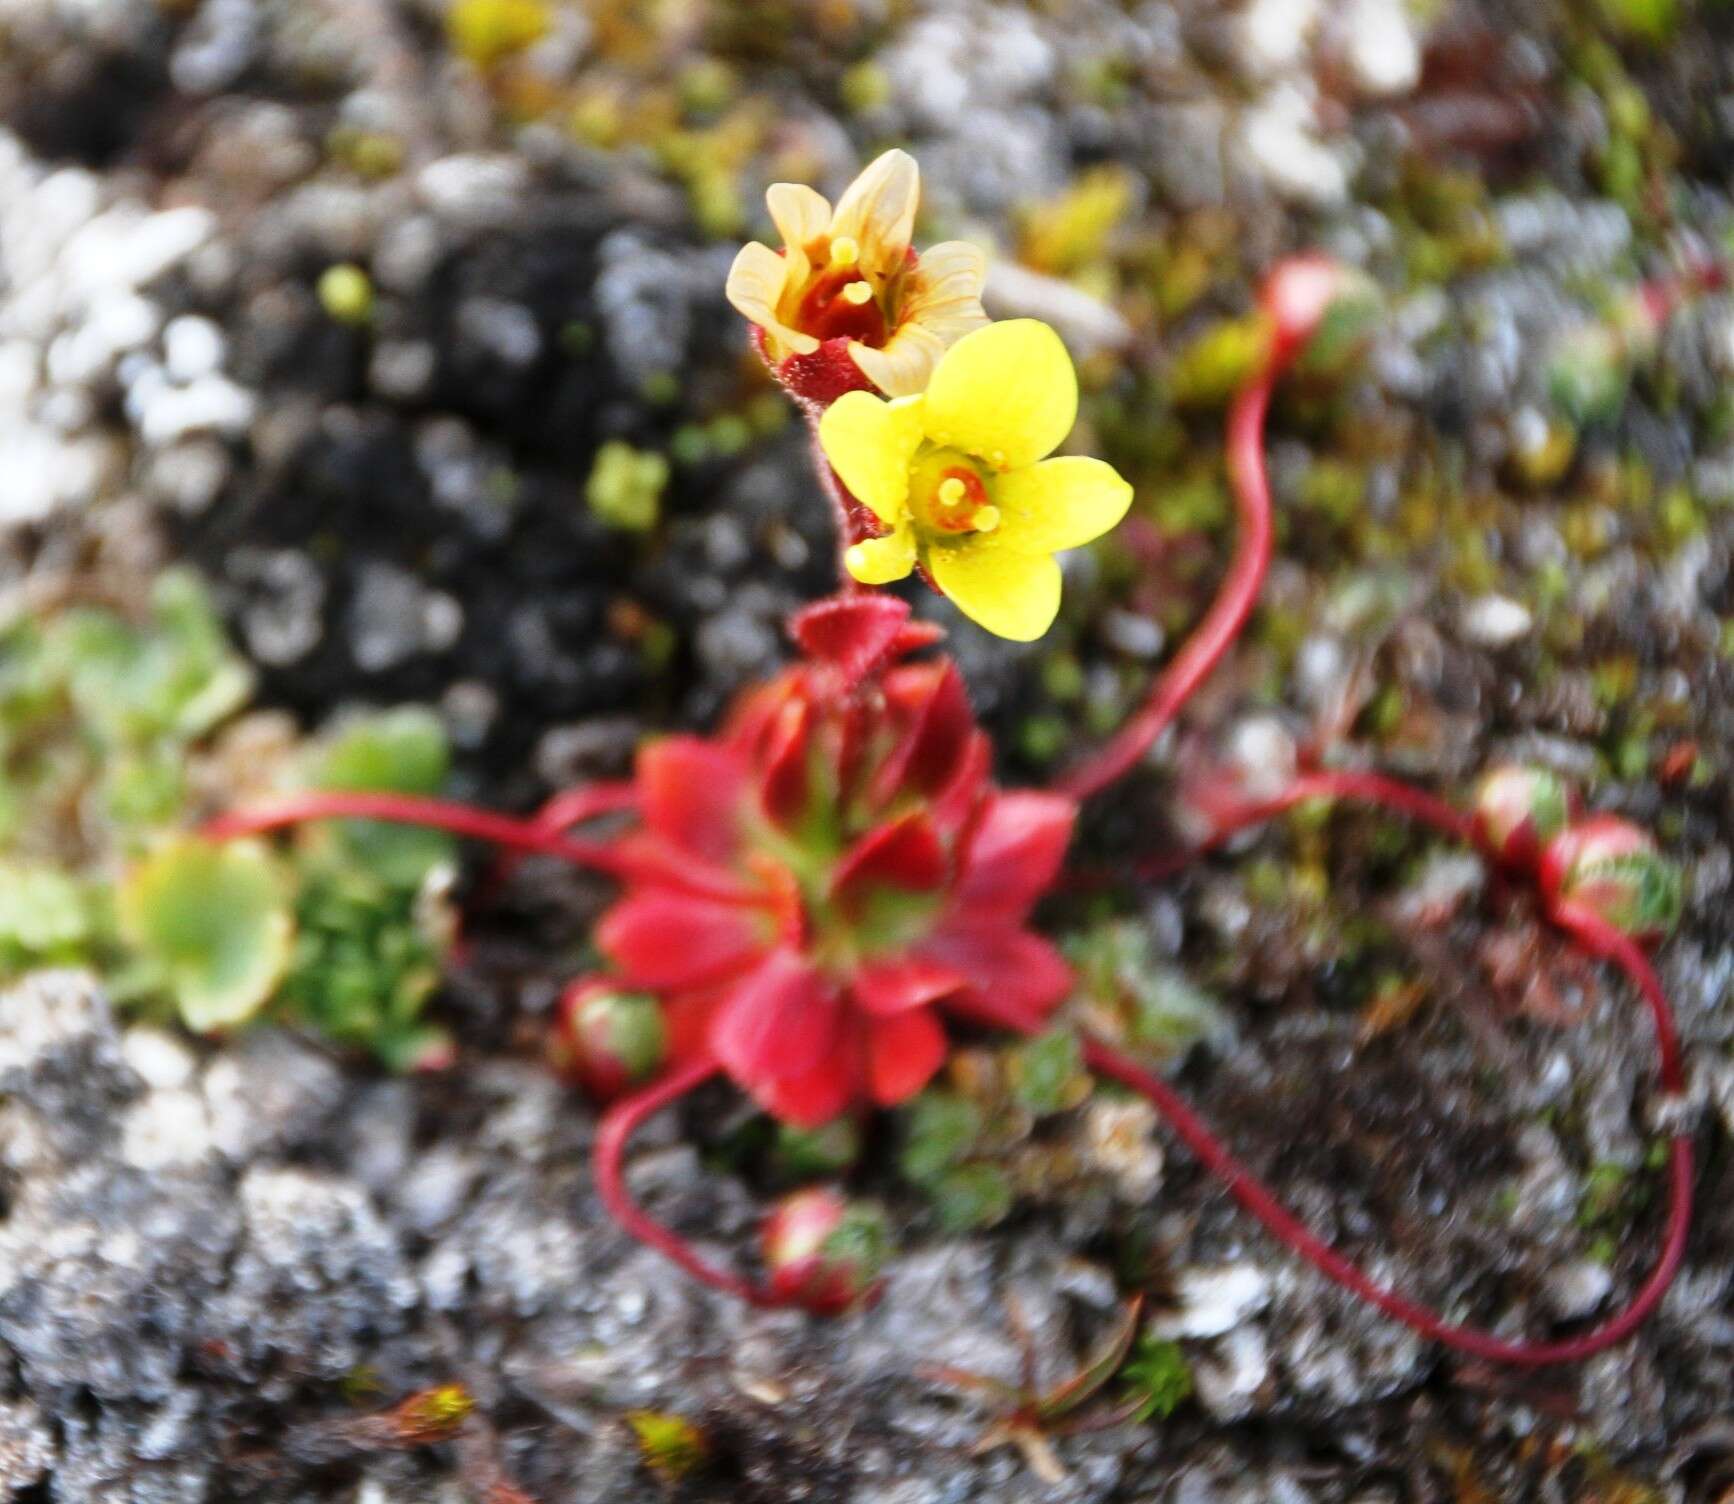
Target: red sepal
x: 852, y: 634
x: 819, y: 379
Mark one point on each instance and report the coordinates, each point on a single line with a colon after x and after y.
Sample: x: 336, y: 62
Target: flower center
x: 948, y: 495
x: 838, y: 301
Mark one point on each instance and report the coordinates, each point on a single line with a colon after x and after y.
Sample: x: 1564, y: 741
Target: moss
x: 625, y: 486
x: 346, y: 294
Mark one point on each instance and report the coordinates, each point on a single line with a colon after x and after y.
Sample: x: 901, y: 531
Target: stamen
x: 858, y: 293
x: 986, y: 519
x: 951, y: 491
x: 845, y: 252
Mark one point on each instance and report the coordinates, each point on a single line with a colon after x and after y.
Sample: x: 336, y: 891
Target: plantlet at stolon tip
x: 810, y: 894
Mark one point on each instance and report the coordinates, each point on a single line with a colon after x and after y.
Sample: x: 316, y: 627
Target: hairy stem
x: 1228, y: 613
x: 608, y: 1156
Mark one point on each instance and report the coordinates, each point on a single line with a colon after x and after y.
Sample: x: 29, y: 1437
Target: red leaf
x: 815, y: 1097
x: 956, y: 802
x: 854, y: 634
x: 905, y: 853
x: 1014, y: 854
x: 903, y: 1053
x: 1008, y: 965
x: 786, y: 764
x: 886, y: 987
x: 662, y: 940
x: 690, y: 793
x: 779, y: 1022
x: 939, y: 729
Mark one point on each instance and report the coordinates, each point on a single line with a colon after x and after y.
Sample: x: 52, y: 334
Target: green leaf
x: 402, y: 751
x: 972, y: 1196
x: 43, y: 916
x: 942, y: 1129
x: 1047, y: 1072
x: 213, y: 924
x: 1159, y: 1378
x: 1064, y: 1398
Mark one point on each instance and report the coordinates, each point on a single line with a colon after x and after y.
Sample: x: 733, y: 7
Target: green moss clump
x: 626, y: 485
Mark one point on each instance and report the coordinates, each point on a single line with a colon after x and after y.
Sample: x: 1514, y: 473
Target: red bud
x: 1518, y: 810
x: 825, y: 1252
x: 1612, y: 869
x: 608, y: 1039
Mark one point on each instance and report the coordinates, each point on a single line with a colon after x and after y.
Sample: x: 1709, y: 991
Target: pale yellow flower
x: 848, y: 273
x: 960, y: 477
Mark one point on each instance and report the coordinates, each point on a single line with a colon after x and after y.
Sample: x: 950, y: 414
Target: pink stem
x: 1228, y: 613
x: 608, y: 1155
x: 1587, y: 930
x: 567, y: 808
x: 478, y: 824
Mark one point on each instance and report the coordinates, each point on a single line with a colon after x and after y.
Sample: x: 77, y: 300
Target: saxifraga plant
x: 812, y: 893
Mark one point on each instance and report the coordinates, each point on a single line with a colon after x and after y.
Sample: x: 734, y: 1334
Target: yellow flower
x: 846, y: 272
x: 960, y: 477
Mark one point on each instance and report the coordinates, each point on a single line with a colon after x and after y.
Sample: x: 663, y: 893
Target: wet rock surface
x: 214, y: 1257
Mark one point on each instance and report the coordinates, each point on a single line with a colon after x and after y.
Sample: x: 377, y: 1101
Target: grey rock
x: 269, y: 1095
x: 60, y: 1055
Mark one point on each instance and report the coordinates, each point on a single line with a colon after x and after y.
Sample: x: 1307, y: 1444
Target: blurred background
x: 371, y: 415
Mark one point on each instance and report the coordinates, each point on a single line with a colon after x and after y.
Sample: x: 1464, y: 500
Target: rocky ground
x: 214, y: 1258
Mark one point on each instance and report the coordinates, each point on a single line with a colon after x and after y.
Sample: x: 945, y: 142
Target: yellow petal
x: 1012, y: 594
x: 801, y: 217
x: 877, y: 211
x: 944, y: 290
x: 755, y: 287
x: 905, y: 365
x: 870, y: 444
x: 1006, y: 393
x: 1059, y: 504
x: 879, y: 561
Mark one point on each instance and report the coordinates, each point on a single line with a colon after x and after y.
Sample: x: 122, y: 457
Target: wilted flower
x: 1610, y: 868
x: 853, y: 793
x: 959, y: 477
x: 825, y: 1252
x: 848, y: 287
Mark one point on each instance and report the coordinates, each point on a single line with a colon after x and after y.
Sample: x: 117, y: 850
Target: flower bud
x: 824, y: 1252
x: 1611, y: 868
x: 1518, y: 810
x: 607, y: 1039
x: 1322, y: 313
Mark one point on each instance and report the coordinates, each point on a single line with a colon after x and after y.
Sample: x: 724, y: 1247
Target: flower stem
x: 608, y: 1155
x: 1228, y: 613
x: 843, y: 504
x: 478, y: 824
x: 569, y: 807
x: 1591, y: 933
